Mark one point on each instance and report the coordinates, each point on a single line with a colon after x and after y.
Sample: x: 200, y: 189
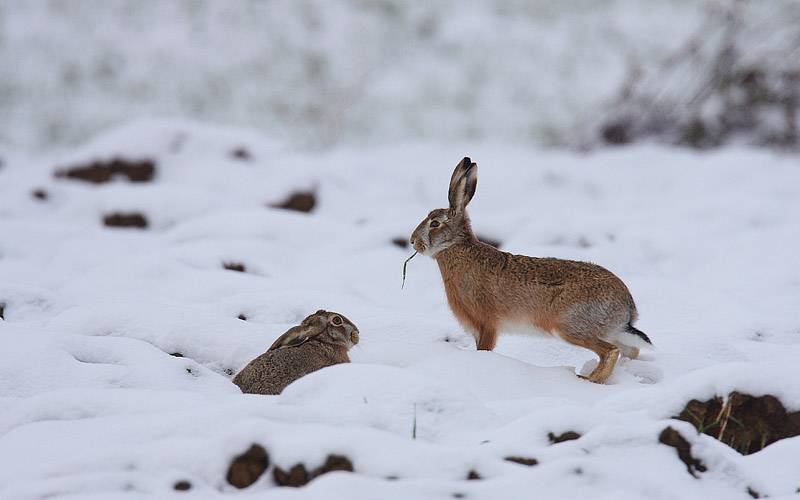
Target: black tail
x: 635, y: 331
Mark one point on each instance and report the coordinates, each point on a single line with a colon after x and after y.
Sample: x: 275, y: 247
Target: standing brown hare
x: 321, y: 339
x: 488, y: 290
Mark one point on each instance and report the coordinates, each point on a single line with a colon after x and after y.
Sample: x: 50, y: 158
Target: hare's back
x: 567, y: 279
x: 272, y: 371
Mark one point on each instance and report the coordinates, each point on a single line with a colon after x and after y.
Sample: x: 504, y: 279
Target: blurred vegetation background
x: 317, y: 74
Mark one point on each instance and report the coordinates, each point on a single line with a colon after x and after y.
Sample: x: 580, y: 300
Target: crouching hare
x: 320, y: 340
x: 487, y: 289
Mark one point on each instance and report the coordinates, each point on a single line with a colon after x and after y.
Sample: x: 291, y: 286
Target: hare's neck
x: 465, y: 234
x: 337, y: 353
x: 452, y: 259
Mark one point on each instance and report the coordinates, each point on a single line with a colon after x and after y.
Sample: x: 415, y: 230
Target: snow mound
x: 118, y: 344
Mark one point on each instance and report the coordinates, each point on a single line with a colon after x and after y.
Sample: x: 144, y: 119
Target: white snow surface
x: 93, y: 406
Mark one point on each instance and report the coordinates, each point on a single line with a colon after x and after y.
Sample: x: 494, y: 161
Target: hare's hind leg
x: 608, y: 353
x: 628, y: 351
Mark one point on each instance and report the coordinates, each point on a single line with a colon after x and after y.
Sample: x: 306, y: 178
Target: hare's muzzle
x: 418, y: 245
x: 417, y: 241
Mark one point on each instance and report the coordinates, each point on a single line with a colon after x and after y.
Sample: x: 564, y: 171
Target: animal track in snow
x: 645, y: 372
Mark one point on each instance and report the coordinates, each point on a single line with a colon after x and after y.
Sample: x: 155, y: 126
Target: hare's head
x: 445, y: 227
x: 323, y: 326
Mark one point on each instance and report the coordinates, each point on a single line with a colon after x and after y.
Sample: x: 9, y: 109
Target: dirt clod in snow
x: 565, y: 436
x: 333, y: 463
x: 473, y: 476
x: 298, y: 475
x: 2, y: 310
x: 243, y: 317
x: 176, y: 354
x: 125, y: 219
x: 183, y: 486
x: 241, y: 153
x: 299, y: 201
x: 246, y: 468
x: 671, y: 437
x: 745, y: 423
x: 530, y: 462
x: 400, y: 242
x: 100, y: 171
x: 40, y: 194
x: 234, y: 266
x: 616, y: 133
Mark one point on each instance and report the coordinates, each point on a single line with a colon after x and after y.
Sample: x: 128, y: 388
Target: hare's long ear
x: 463, y: 184
x: 298, y: 335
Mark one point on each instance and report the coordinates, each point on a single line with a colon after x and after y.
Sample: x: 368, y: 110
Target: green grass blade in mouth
x: 405, y: 264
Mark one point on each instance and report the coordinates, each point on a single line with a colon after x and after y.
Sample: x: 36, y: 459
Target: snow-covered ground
x: 92, y: 404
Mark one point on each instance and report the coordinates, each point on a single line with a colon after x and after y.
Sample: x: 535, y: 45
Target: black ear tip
x: 466, y: 161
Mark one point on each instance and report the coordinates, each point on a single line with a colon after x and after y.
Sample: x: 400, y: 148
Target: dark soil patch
x: 530, y: 462
x: 40, y: 194
x: 400, y: 242
x: 753, y: 493
x: 616, y: 133
x: 100, y: 171
x: 333, y: 463
x: 745, y: 423
x: 183, y: 486
x: 299, y: 201
x: 241, y: 153
x: 671, y: 437
x: 246, y: 468
x: 566, y: 436
x: 243, y: 317
x: 2, y: 310
x: 473, y: 476
x: 489, y: 241
x: 298, y: 475
x: 176, y: 354
x: 125, y: 219
x: 234, y: 266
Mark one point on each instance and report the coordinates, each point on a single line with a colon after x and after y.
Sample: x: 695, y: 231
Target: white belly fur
x: 520, y: 328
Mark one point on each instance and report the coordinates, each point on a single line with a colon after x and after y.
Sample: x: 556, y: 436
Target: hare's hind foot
x: 629, y: 352
x: 605, y: 368
x: 606, y: 351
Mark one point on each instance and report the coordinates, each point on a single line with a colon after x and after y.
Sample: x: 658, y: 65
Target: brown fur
x: 579, y: 302
x: 272, y: 371
x: 321, y: 339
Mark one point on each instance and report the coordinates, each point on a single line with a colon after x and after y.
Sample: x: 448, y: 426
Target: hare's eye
x: 337, y: 320
x: 434, y: 223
